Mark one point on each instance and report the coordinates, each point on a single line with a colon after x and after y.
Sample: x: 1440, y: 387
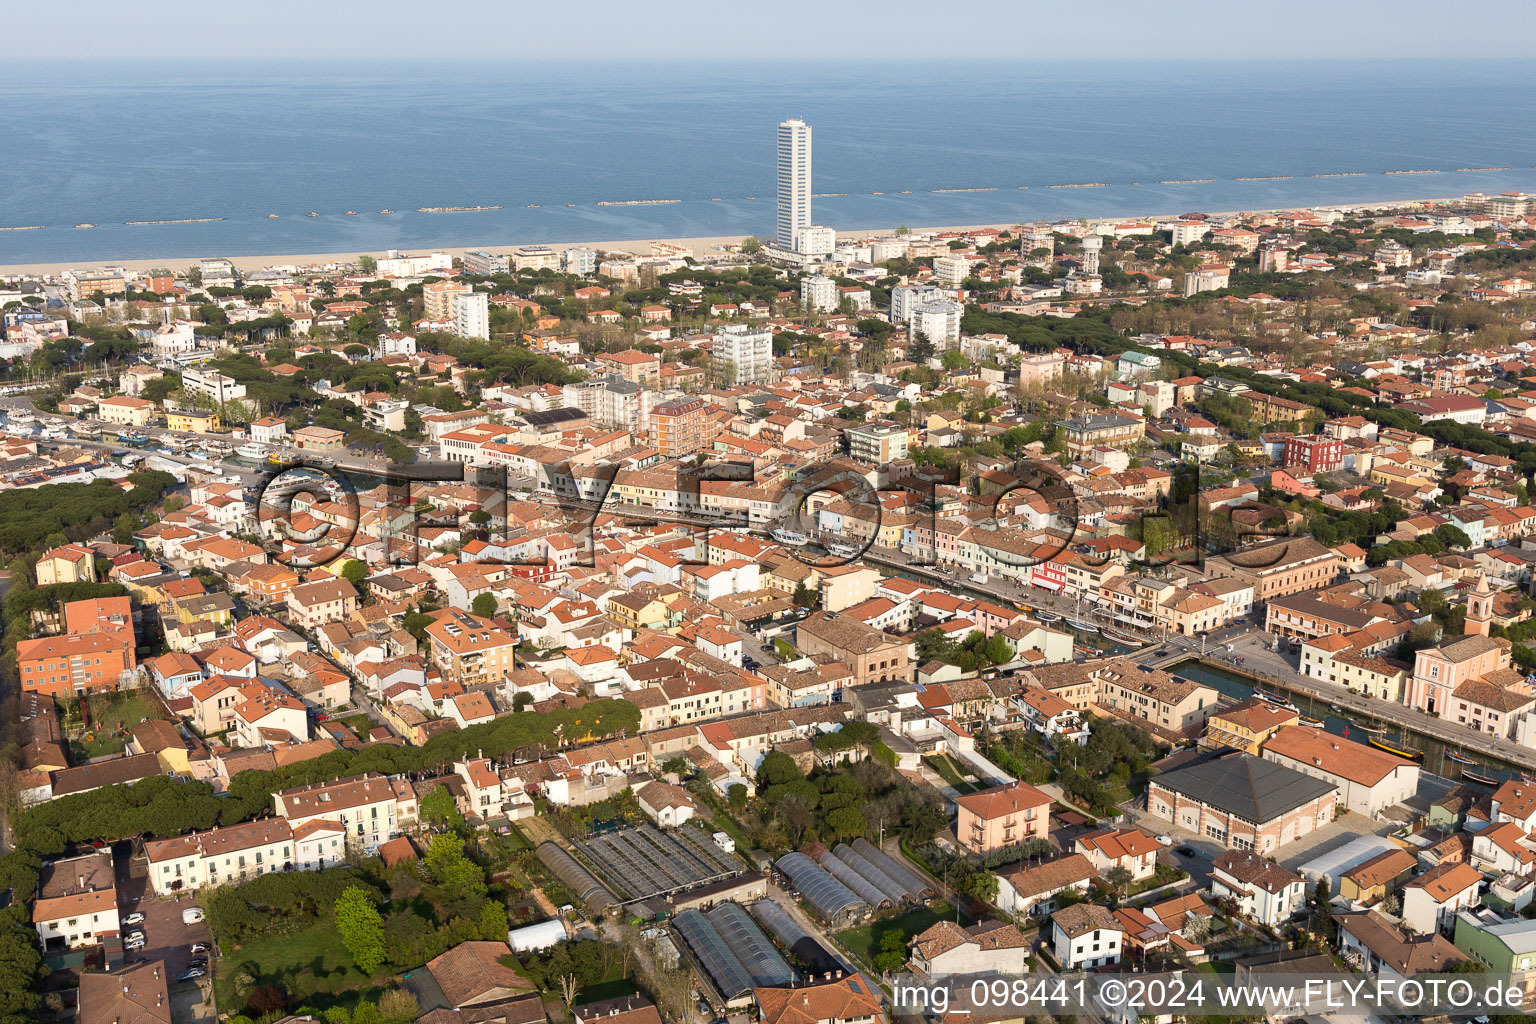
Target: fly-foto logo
x: 827, y: 515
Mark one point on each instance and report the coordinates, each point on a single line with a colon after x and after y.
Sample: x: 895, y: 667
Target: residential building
x: 1262, y: 889
x: 1086, y: 936
x: 794, y: 181
x: 1002, y: 816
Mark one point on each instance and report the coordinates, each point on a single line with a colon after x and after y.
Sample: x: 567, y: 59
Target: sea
x: 229, y: 144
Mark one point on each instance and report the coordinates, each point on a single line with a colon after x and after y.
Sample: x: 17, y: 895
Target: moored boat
x: 790, y: 537
x: 1392, y: 748
x: 251, y: 451
x: 1451, y: 755
x: 1274, y: 699
x: 1308, y: 720
x: 1481, y: 780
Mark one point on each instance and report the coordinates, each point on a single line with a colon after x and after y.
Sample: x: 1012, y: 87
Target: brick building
x: 1243, y: 802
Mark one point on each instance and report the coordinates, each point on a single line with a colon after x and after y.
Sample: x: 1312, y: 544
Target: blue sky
x: 757, y: 30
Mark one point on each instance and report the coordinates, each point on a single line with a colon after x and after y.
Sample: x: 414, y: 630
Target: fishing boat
x: 790, y: 537
x: 1045, y: 616
x: 386, y: 211
x: 1273, y: 699
x: 1392, y: 748
x: 271, y: 216
x: 1336, y: 709
x: 275, y: 459
x: 1451, y: 755
x: 1308, y: 720
x: 311, y: 213
x: 1481, y: 780
x: 1080, y: 624
x: 842, y: 549
x: 349, y: 213
x: 251, y: 451
x: 1122, y: 638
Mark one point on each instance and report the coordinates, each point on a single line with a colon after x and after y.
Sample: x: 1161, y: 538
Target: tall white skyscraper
x: 794, y: 181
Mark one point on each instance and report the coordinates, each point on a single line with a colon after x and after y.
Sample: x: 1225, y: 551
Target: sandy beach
x: 699, y: 245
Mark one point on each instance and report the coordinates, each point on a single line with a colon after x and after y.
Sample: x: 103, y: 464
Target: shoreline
x: 638, y: 246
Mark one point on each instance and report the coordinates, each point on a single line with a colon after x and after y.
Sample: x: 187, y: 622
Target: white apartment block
x: 939, y: 322
x: 951, y: 270
x: 819, y: 293
x: 744, y: 354
x: 363, y: 805
x: 471, y: 315
x: 907, y: 298
x: 231, y: 854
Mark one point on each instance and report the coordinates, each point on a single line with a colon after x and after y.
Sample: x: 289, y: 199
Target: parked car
x: 135, y: 934
x: 133, y: 919
x: 1187, y: 851
x: 191, y: 975
x: 1165, y: 840
x: 199, y: 947
x: 192, y: 915
x: 133, y: 945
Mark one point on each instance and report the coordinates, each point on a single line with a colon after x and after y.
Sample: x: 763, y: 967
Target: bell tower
x: 1479, y: 608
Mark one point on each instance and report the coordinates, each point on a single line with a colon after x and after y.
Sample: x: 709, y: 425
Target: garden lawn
x: 864, y: 942
x: 950, y: 772
x: 103, y: 737
x: 310, y: 966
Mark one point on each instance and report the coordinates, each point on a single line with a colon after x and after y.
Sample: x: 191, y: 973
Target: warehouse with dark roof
x: 1243, y: 802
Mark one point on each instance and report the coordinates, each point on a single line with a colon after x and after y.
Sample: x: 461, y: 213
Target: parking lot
x: 167, y: 936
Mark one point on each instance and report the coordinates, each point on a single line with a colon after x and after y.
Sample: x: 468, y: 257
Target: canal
x: 1439, y: 758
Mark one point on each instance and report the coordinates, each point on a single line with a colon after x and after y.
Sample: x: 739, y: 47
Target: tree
x: 893, y: 951
x: 361, y: 928
x: 451, y: 870
x: 123, y: 530
x: 1322, y: 908
x: 1118, y: 879
x: 484, y: 605
x: 367, y: 264
x: 354, y: 572
x: 737, y: 795
x: 751, y: 244
x: 778, y: 769
x: 440, y: 808
x: 398, y: 1006
x: 804, y: 596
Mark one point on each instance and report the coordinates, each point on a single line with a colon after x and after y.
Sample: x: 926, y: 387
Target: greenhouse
x: 754, y: 949
x: 831, y: 899
x: 895, y: 870
x: 815, y: 957
x: 729, y: 977
x: 582, y: 883
x: 897, y: 892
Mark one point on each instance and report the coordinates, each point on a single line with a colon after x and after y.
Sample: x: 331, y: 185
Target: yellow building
x: 197, y: 421
x: 68, y: 564
x: 1247, y: 726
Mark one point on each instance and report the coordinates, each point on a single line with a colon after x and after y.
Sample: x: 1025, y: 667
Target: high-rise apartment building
x: 744, y: 354
x: 471, y: 315
x: 794, y: 181
x: 435, y: 298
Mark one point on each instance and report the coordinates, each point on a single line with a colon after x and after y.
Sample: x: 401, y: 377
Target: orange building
x: 681, y: 427
x: 67, y: 666
x: 1002, y: 816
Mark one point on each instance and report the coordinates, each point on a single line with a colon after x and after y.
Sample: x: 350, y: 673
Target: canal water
x: 1353, y: 726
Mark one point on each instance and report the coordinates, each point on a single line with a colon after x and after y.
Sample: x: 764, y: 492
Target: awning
x: 1042, y: 581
